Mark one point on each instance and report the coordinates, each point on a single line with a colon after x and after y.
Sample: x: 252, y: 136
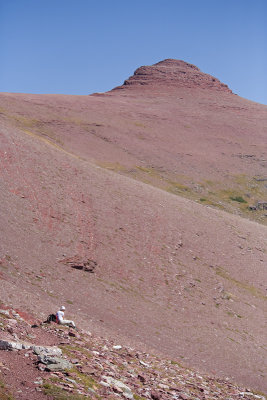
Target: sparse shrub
x: 59, y: 394
x: 239, y: 199
x: 136, y: 397
x: 4, y: 395
x: 230, y: 313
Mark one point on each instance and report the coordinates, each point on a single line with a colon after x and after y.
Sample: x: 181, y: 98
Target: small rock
x: 155, y: 395
x: 71, y: 381
x: 86, y: 332
x: 119, y: 387
x: 247, y: 393
x: 4, y: 312
x: 117, y: 347
x: 183, y: 396
x: 144, y: 364
x: 39, y: 381
x: 12, y: 322
x: 141, y: 378
x: 162, y: 386
x: 104, y: 383
x: 30, y: 336
x: 88, y: 370
x: 79, y: 343
x: 128, y: 396
x: 77, y: 266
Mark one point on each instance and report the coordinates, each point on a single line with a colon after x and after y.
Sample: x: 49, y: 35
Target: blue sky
x: 86, y: 46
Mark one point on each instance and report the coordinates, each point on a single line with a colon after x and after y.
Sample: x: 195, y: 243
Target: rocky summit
x: 173, y: 74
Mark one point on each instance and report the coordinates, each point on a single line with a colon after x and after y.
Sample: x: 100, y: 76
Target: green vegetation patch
x: 177, y: 363
x: 249, y: 288
x: 58, y: 393
x: 139, y: 124
x: 87, y: 381
x: 116, y: 167
x: 239, y: 199
x: 233, y: 195
x: 71, y: 350
x: 136, y: 397
x: 38, y: 127
x: 4, y: 394
x: 177, y: 188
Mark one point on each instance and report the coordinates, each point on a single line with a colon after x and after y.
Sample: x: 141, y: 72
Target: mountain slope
x: 171, y: 274
x: 178, y: 129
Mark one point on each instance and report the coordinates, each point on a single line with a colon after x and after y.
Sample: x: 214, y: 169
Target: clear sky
x: 86, y: 46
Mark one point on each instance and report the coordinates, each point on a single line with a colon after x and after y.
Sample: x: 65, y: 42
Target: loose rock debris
x: 260, y: 205
x: 97, y: 368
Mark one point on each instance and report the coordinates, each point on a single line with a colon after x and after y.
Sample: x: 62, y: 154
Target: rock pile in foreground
x: 77, y: 365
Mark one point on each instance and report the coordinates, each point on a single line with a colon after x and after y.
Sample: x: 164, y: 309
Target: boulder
x: 47, y: 350
x: 54, y: 363
x: 119, y: 386
x: 59, y: 366
x: 10, y: 345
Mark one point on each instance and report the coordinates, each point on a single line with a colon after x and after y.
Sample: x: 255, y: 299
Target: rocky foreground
x: 47, y: 361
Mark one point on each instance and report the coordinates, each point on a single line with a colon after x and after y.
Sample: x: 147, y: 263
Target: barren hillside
x: 150, y: 186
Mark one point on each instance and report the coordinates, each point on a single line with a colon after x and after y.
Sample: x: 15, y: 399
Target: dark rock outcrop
x: 88, y: 266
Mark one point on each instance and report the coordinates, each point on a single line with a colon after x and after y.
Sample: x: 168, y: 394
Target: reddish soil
x: 119, y: 178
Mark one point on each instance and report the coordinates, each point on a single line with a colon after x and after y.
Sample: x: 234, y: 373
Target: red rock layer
x: 173, y: 73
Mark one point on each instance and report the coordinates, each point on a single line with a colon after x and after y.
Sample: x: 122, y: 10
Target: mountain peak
x: 172, y: 63
x: 172, y: 74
